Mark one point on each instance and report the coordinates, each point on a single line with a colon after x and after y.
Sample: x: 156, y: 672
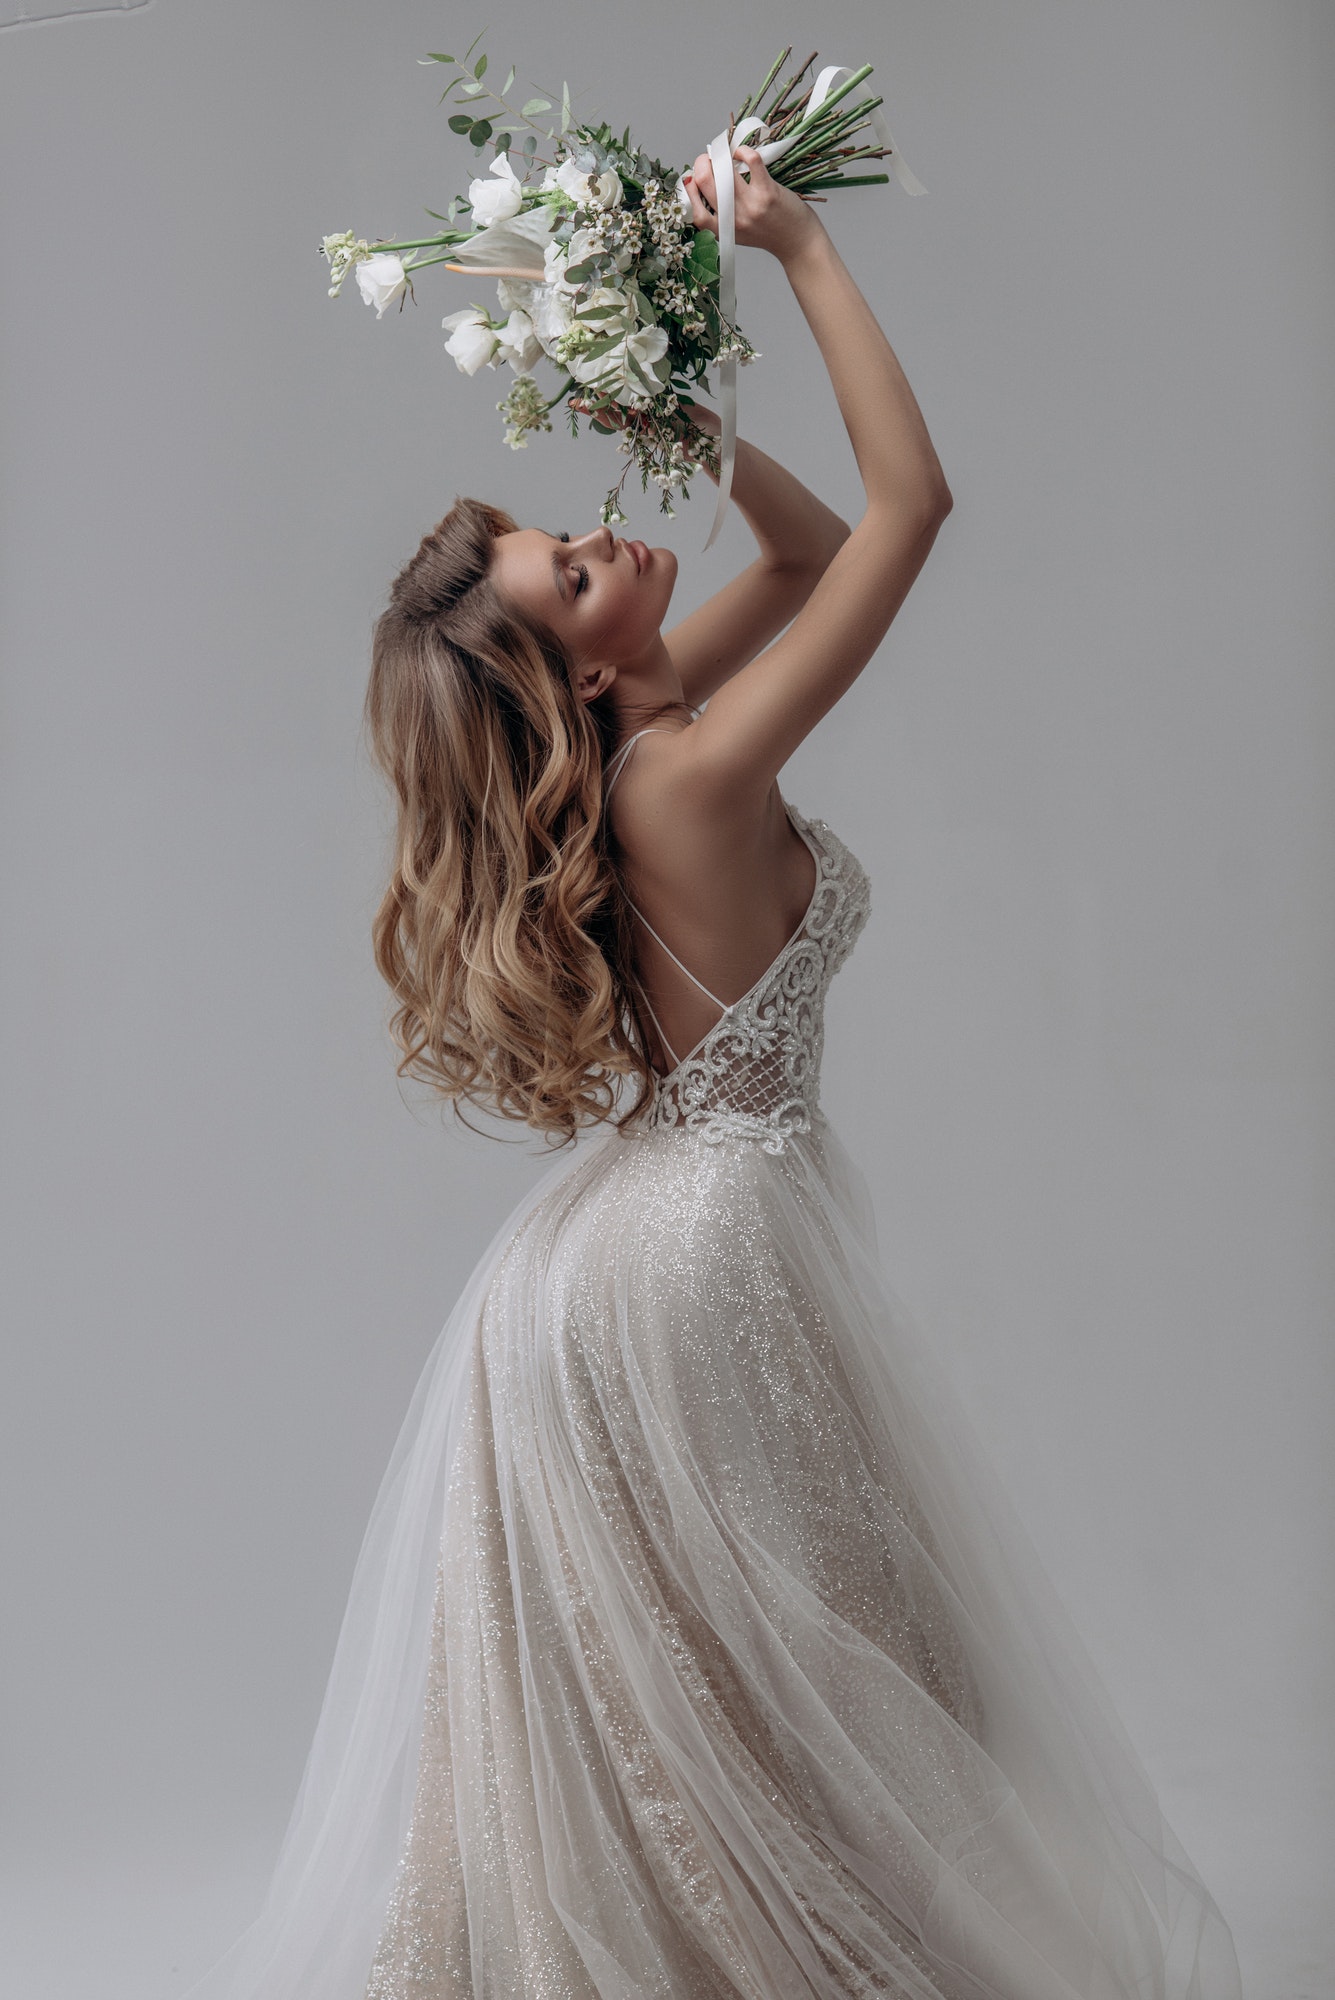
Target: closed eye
x: 583, y: 583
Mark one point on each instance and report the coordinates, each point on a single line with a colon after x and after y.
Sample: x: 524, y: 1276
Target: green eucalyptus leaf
x: 534, y: 106
x: 508, y: 81
x: 502, y: 142
x: 565, y: 107
x: 480, y: 68
x: 480, y: 132
x: 704, y: 254
x: 433, y: 57
x: 531, y: 144
x: 461, y: 122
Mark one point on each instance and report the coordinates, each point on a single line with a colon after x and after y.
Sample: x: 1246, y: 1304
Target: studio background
x: 1082, y: 1051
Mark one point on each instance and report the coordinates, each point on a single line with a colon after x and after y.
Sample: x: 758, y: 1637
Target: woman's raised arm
x: 755, y: 722
x: 797, y: 536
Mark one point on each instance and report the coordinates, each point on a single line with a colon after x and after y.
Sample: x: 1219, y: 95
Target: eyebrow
x: 558, y: 577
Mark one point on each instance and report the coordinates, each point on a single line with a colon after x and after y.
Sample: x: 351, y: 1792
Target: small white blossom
x: 343, y: 251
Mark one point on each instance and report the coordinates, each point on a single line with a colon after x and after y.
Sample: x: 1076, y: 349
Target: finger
x: 702, y: 180
x: 701, y: 214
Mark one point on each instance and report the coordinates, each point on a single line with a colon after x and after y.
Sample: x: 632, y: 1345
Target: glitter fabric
x: 694, y: 1653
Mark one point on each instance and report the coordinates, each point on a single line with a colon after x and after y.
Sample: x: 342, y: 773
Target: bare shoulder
x: 678, y: 828
x: 664, y: 813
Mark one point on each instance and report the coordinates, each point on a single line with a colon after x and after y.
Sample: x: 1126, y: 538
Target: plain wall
x: 1082, y: 1051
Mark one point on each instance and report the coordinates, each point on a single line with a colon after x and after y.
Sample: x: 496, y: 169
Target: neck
x: 643, y: 687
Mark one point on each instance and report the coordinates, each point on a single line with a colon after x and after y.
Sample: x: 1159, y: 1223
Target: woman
x: 692, y: 1650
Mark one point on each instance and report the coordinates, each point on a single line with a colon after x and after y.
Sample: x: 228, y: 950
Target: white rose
x: 554, y: 264
x: 381, y: 280
x: 519, y: 344
x: 616, y: 311
x: 602, y: 190
x: 472, y: 341
x: 498, y: 200
x: 613, y: 371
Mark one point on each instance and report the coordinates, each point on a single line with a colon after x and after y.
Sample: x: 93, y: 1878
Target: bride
x: 692, y: 1649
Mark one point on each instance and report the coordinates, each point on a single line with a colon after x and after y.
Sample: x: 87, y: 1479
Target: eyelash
x: 583, y: 583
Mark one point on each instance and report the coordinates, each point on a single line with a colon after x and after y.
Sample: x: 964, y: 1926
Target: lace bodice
x: 756, y: 1074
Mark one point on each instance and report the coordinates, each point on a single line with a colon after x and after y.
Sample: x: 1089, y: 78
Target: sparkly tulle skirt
x: 693, y: 1649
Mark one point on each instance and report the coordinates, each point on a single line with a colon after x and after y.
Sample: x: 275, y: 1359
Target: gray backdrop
x: 1082, y: 1051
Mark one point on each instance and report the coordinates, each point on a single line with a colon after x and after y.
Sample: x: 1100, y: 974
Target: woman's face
x: 603, y: 599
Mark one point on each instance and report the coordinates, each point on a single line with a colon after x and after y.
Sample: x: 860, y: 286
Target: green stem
x: 758, y: 97
x: 821, y: 136
x: 829, y: 163
x: 847, y: 181
x: 445, y: 242
x: 840, y: 91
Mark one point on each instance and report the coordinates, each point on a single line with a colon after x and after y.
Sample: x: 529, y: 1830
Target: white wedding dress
x: 693, y: 1649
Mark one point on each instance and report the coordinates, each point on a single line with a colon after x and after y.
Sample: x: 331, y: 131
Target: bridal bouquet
x: 599, y: 268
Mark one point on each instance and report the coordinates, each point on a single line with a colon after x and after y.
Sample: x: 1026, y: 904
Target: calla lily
x: 514, y: 248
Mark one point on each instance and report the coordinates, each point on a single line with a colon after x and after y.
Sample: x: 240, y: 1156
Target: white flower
x: 519, y: 242
x: 381, y: 279
x: 631, y: 371
x: 588, y: 190
x: 472, y: 340
x: 519, y: 344
x: 549, y: 310
x: 498, y: 200
x: 616, y: 312
x: 554, y: 264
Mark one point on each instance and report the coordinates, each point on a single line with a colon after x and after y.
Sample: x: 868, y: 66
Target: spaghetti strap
x: 676, y: 1059
x: 616, y: 764
x: 726, y: 1005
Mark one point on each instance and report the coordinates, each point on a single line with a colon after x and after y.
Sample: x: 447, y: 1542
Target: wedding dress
x: 693, y: 1652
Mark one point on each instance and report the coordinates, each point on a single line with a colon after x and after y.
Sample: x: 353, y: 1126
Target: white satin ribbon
x: 720, y: 159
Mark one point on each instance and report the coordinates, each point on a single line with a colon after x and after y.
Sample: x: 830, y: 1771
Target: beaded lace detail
x: 756, y: 1074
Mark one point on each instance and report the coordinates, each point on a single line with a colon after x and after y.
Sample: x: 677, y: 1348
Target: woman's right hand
x: 766, y: 215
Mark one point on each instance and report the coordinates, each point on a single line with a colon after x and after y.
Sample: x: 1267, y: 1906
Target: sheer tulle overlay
x: 693, y: 1649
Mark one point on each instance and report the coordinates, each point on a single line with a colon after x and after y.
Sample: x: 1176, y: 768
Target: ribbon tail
x: 720, y: 159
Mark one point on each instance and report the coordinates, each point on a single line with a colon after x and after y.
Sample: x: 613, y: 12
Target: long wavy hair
x: 504, y: 934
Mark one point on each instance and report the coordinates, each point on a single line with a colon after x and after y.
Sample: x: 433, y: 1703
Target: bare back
x: 718, y: 895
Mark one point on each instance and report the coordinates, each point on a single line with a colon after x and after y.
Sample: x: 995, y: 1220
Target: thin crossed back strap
x: 614, y: 769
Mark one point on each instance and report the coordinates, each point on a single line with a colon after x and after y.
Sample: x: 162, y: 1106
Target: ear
x: 590, y: 682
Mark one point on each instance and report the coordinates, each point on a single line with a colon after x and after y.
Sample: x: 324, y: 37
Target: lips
x: 641, y: 555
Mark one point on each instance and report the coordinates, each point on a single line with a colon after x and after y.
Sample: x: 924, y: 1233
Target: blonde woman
x: 692, y: 1650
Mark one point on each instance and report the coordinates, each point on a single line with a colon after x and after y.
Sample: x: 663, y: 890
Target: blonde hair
x: 504, y: 934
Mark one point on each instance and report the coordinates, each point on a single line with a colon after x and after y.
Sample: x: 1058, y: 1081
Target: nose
x: 599, y: 541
